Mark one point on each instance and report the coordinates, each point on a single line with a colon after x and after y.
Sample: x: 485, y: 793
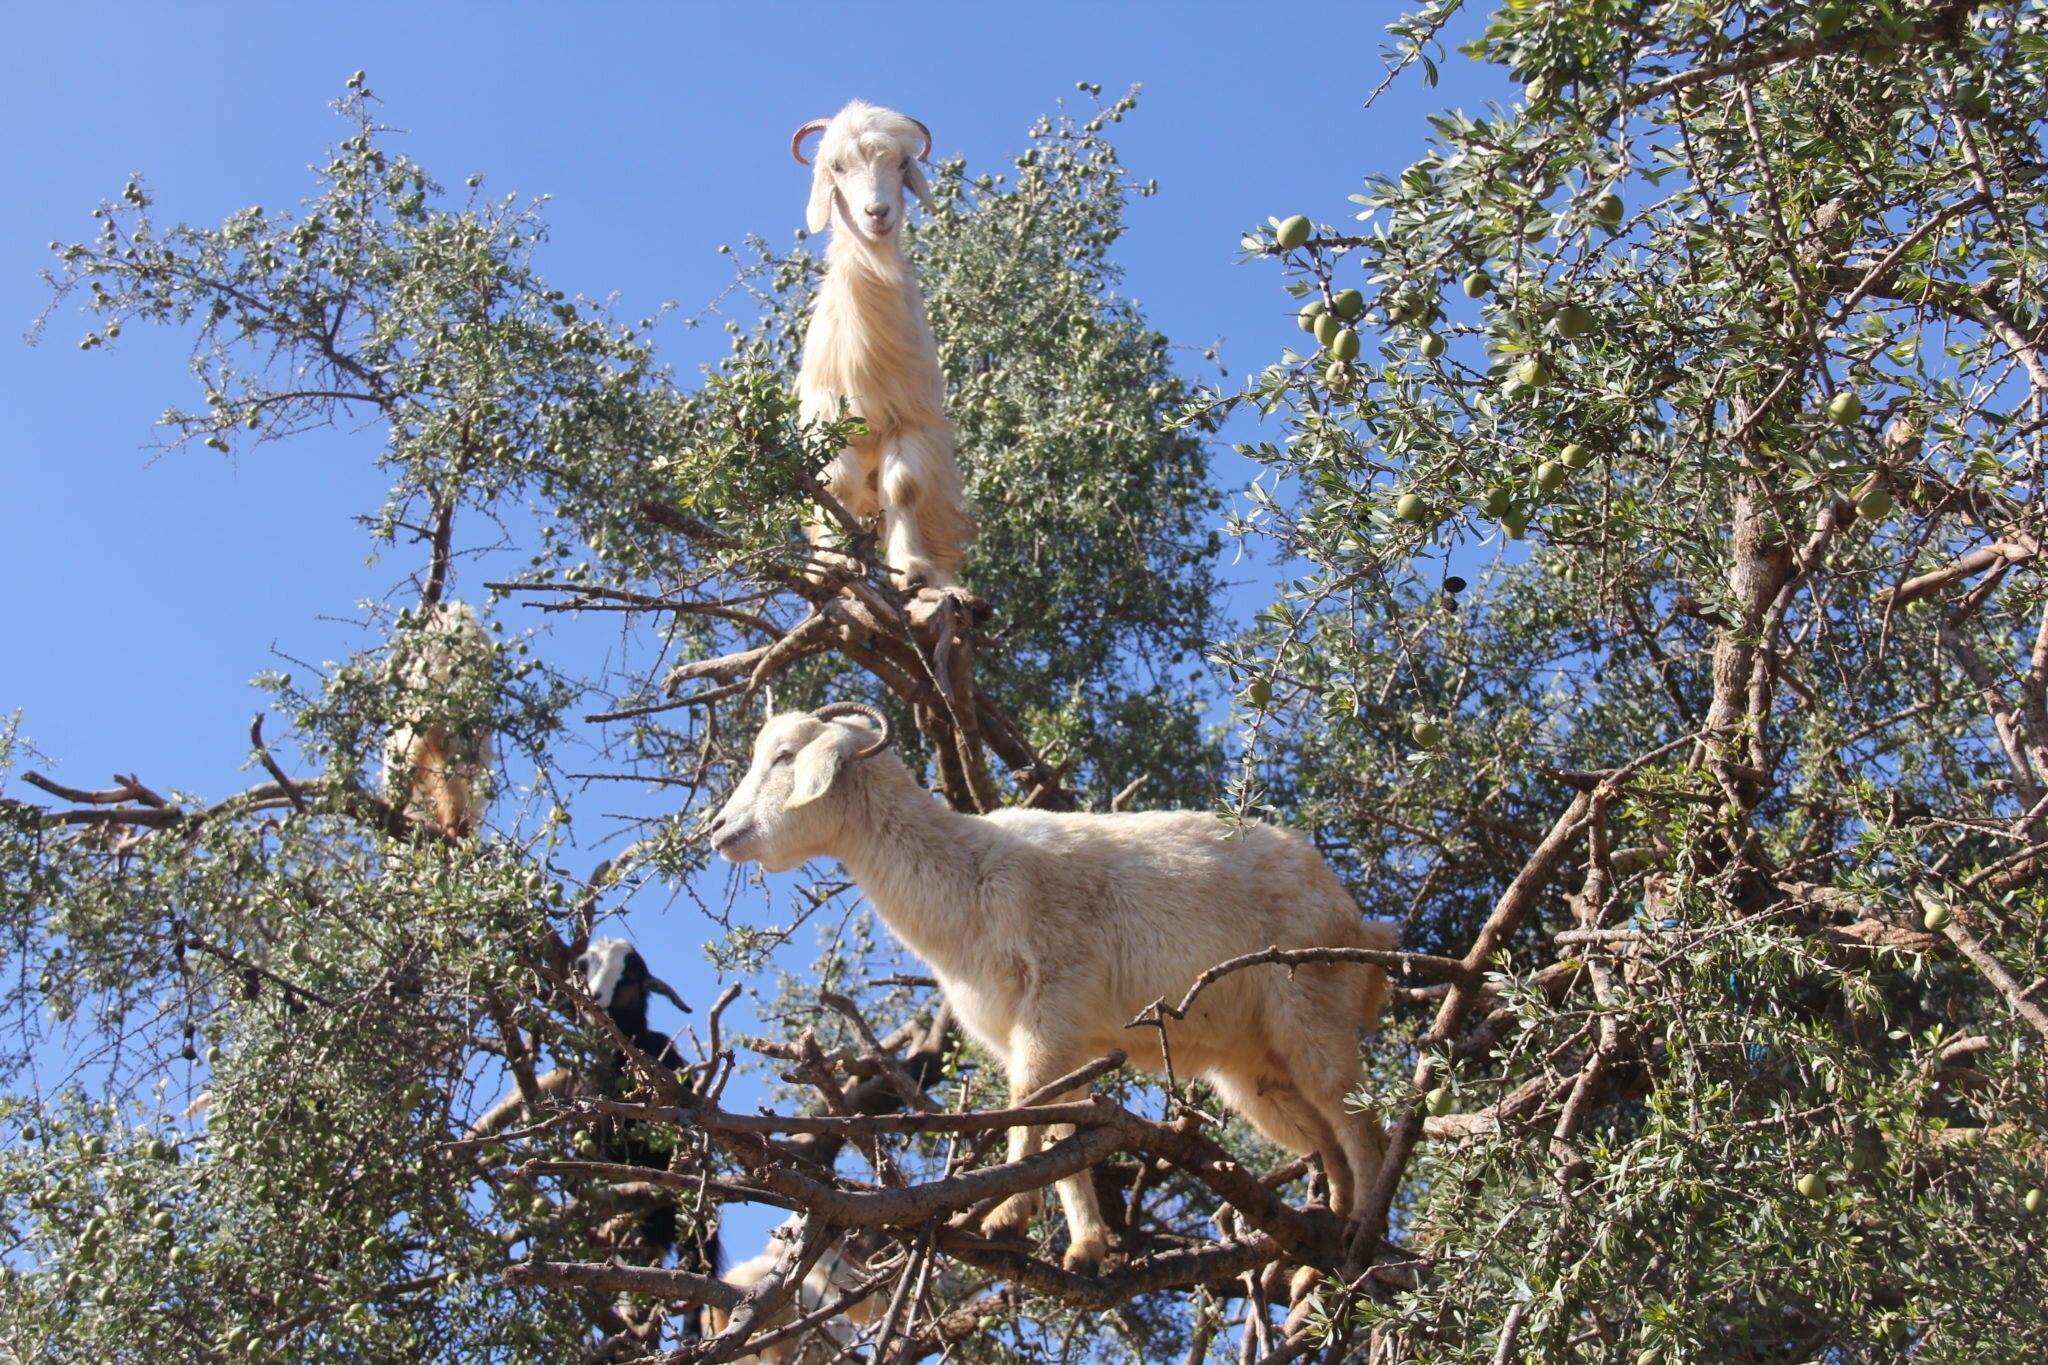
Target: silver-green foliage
x: 1701, y: 225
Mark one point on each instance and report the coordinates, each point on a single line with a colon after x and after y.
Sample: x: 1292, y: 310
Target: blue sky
x: 143, y: 592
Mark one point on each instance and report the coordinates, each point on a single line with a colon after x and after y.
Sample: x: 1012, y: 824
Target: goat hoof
x: 1012, y: 1217
x: 1085, y: 1258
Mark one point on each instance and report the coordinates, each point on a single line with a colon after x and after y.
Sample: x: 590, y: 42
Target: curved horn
x: 833, y: 710
x: 924, y: 155
x: 816, y: 125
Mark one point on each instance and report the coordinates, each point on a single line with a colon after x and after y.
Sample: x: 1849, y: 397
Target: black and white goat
x: 615, y: 976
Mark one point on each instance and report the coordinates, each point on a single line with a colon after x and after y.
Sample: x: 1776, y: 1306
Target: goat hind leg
x: 922, y: 507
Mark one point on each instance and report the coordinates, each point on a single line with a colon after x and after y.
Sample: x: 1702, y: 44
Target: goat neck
x: 921, y: 864
x: 870, y: 341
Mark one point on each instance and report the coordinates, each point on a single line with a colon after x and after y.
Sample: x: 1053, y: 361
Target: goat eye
x: 782, y: 758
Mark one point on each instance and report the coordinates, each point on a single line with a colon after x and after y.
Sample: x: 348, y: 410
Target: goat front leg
x: 1032, y: 1064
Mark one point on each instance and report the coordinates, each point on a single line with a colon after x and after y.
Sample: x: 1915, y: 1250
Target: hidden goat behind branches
x: 615, y: 976
x: 438, y: 760
x: 870, y: 347
x: 835, y: 1274
x: 1050, y: 932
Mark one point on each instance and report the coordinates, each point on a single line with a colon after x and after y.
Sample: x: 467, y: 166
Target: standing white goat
x: 870, y: 346
x: 439, y: 761
x: 1048, y: 933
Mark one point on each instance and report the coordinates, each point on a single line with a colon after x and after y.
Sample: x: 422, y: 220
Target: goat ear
x: 817, y: 768
x: 914, y: 178
x: 819, y: 214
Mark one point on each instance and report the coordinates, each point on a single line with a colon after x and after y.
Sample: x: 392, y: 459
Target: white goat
x: 1048, y: 933
x: 439, y: 761
x: 870, y: 347
x: 830, y: 1276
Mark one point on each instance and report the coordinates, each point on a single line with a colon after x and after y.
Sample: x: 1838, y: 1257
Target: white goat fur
x: 1049, y: 932
x: 830, y: 1276
x: 442, y: 771
x: 870, y: 347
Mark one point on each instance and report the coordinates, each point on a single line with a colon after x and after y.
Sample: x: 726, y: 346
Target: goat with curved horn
x: 870, y: 352
x: 1050, y: 932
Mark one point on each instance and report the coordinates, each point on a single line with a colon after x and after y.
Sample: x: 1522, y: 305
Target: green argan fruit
x: 1345, y: 345
x: 1477, y: 284
x: 1348, y: 303
x: 1432, y: 346
x: 1575, y: 456
x: 1936, y: 918
x: 1310, y: 311
x: 1574, y: 319
x: 1550, y: 475
x: 1515, y: 521
x: 1327, y: 327
x: 1411, y: 507
x: 1437, y: 1101
x: 1497, y: 502
x: 1537, y: 91
x: 1875, y: 505
x: 1293, y: 232
x: 1845, y: 407
x: 1337, y: 375
x: 1608, y: 210
x: 1427, y: 734
x: 1260, y: 692
x: 1535, y: 372
x: 161, y: 1220
x: 214, y: 1056
x: 2036, y: 1200
x: 1812, y: 1185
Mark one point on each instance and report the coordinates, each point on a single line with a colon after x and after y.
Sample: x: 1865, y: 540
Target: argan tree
x: 1663, y: 463
x: 283, y: 1061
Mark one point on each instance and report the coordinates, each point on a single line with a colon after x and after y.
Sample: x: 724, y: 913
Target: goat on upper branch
x: 1050, y: 932
x: 870, y: 347
x: 438, y: 761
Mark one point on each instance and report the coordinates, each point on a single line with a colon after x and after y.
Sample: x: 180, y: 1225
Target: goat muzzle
x: 836, y: 709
